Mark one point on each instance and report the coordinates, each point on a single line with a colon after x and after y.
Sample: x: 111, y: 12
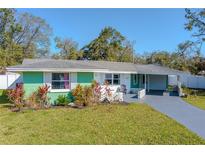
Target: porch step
x: 130, y: 98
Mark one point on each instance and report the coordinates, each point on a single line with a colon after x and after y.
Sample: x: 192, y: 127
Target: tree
x: 23, y: 36
x: 200, y: 65
x: 109, y: 45
x: 127, y: 53
x: 7, y: 27
x: 159, y: 57
x: 68, y: 49
x: 34, y: 36
x: 188, y: 54
x: 10, y: 52
x: 196, y: 22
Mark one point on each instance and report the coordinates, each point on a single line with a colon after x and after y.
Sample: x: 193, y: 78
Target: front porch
x: 145, y: 84
x: 130, y: 98
x: 148, y: 82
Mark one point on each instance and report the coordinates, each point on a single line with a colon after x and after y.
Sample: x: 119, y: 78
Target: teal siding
x: 32, y: 80
x: 54, y: 96
x: 133, y: 84
x: 141, y: 85
x: 85, y: 78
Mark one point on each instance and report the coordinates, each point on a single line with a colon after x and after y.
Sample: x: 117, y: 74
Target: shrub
x: 77, y: 93
x: 16, y: 96
x: 87, y: 95
x: 32, y: 101
x: 62, y: 100
x: 42, y: 96
x: 96, y: 92
x: 106, y: 93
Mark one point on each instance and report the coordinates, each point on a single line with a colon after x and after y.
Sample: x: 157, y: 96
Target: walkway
x: 191, y: 117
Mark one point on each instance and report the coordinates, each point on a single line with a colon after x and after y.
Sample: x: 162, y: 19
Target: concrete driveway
x: 191, y: 117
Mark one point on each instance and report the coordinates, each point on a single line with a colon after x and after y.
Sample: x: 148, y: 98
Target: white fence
x: 8, y: 81
x: 190, y: 81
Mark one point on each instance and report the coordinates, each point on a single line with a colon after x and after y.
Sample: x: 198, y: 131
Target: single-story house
x: 63, y: 75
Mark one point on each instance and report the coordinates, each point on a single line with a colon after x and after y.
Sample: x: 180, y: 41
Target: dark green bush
x: 62, y: 100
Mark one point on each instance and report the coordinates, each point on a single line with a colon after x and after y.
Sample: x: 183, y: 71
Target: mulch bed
x: 15, y: 109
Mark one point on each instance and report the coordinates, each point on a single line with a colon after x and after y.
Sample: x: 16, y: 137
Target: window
x: 113, y: 79
x: 60, y: 81
x: 116, y: 79
x: 108, y: 78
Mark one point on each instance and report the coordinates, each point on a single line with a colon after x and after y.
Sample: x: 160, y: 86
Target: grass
x: 196, y: 98
x: 3, y: 98
x: 103, y: 124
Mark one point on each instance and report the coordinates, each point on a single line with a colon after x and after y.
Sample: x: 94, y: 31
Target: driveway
x: 191, y: 117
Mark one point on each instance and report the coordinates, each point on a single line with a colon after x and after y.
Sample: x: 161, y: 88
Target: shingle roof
x: 92, y: 65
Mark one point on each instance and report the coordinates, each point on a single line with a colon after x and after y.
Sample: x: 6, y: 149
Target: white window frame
x: 60, y: 90
x: 112, y: 78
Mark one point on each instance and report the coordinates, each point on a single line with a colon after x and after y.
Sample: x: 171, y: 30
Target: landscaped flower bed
x: 82, y: 96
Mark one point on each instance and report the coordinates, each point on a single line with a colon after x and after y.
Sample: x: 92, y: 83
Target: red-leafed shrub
x: 42, y: 96
x: 107, y: 89
x: 87, y: 95
x: 32, y: 101
x: 96, y: 90
x: 16, y: 96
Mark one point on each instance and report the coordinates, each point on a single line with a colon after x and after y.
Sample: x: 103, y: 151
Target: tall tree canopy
x: 159, y: 57
x: 10, y: 52
x: 68, y: 49
x: 109, y: 45
x: 28, y: 36
x: 196, y: 22
x: 22, y: 36
x: 34, y: 35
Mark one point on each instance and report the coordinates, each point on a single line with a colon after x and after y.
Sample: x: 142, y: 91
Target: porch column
x: 145, y: 82
x: 148, y: 82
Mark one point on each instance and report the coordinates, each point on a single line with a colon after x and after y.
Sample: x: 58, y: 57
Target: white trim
x: 112, y: 78
x: 66, y: 70
x: 54, y: 69
x: 148, y: 82
x: 145, y: 84
x: 60, y: 90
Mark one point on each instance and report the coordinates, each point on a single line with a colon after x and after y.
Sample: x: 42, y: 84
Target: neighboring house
x: 64, y: 75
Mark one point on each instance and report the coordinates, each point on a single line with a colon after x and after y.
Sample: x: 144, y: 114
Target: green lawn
x: 103, y: 124
x: 198, y: 101
x: 196, y: 98
x: 3, y: 98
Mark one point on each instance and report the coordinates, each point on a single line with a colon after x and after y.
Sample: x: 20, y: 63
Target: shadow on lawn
x: 4, y: 102
x: 3, y: 99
